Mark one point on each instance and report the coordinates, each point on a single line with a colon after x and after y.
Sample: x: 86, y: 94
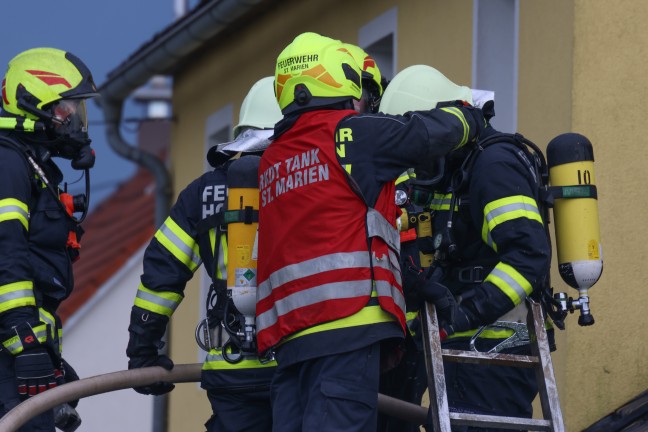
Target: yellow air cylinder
x: 243, y: 206
x: 570, y: 158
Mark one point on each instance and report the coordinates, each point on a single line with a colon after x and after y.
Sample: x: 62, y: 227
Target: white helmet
x: 259, y: 109
x: 420, y: 88
x: 257, y: 118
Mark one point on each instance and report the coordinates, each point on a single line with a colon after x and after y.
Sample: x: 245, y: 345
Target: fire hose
x: 125, y: 379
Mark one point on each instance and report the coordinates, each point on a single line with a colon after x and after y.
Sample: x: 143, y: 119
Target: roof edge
x: 173, y: 45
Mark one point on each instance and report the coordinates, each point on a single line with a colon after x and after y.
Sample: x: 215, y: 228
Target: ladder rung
x: 459, y: 356
x: 442, y: 419
x: 465, y: 419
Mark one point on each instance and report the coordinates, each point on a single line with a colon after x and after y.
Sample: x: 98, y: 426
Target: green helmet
x: 315, y: 70
x: 259, y: 109
x: 420, y: 87
x: 50, y: 86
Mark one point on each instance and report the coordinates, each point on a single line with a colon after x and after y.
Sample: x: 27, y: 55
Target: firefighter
x: 236, y: 382
x: 329, y: 289
x: 43, y: 116
x: 491, y: 252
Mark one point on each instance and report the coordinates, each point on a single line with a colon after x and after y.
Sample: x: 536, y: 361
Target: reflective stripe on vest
x: 367, y: 315
x: 16, y: 294
x: 180, y: 244
x: 326, y: 263
x: 160, y: 302
x: 378, y: 226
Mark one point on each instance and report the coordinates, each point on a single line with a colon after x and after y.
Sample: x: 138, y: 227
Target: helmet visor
x: 70, y: 113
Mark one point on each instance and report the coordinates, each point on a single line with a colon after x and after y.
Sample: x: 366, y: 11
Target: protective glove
x: 35, y: 368
x: 159, y: 387
x: 35, y: 372
x: 146, y: 330
x: 453, y: 317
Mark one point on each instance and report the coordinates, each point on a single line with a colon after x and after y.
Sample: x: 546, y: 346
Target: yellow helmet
x: 370, y: 72
x: 372, y: 84
x: 315, y: 70
x: 259, y: 108
x: 420, y: 87
x: 40, y: 76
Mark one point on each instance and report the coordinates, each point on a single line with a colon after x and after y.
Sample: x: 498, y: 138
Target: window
x: 495, y: 56
x: 218, y: 129
x: 378, y: 39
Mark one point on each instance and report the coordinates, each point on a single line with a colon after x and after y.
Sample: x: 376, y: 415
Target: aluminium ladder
x: 540, y: 360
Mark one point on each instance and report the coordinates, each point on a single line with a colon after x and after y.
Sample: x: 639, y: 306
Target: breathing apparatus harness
x: 222, y: 312
x: 69, y: 204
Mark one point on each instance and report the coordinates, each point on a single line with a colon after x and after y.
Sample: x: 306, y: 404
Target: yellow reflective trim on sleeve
x: 13, y: 209
x: 160, y: 302
x: 457, y: 112
x: 510, y: 281
x: 509, y: 208
x: 179, y: 243
x: 409, y: 317
x: 48, y: 318
x: 14, y: 344
x: 16, y: 294
x: 404, y: 177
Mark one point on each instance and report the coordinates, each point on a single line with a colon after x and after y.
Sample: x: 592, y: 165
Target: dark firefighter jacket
x: 35, y: 263
x: 498, y: 229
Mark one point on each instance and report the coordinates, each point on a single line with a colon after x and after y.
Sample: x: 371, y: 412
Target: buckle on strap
x: 474, y: 274
x: 519, y: 337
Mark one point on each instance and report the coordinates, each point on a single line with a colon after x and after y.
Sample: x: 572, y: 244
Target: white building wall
x: 94, y: 343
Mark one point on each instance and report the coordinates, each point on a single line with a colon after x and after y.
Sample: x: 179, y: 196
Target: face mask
x: 69, y: 129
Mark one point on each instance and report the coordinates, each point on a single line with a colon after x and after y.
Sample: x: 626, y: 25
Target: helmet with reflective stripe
x: 313, y: 71
x: 420, y: 87
x: 372, y: 84
x: 259, y: 109
x: 38, y: 77
x: 370, y: 73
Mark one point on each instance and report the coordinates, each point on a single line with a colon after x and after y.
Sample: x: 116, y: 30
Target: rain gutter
x: 159, y: 57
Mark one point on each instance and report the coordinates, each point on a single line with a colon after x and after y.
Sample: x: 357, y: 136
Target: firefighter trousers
x: 335, y: 393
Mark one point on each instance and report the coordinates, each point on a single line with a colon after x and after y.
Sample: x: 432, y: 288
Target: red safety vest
x: 314, y: 264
